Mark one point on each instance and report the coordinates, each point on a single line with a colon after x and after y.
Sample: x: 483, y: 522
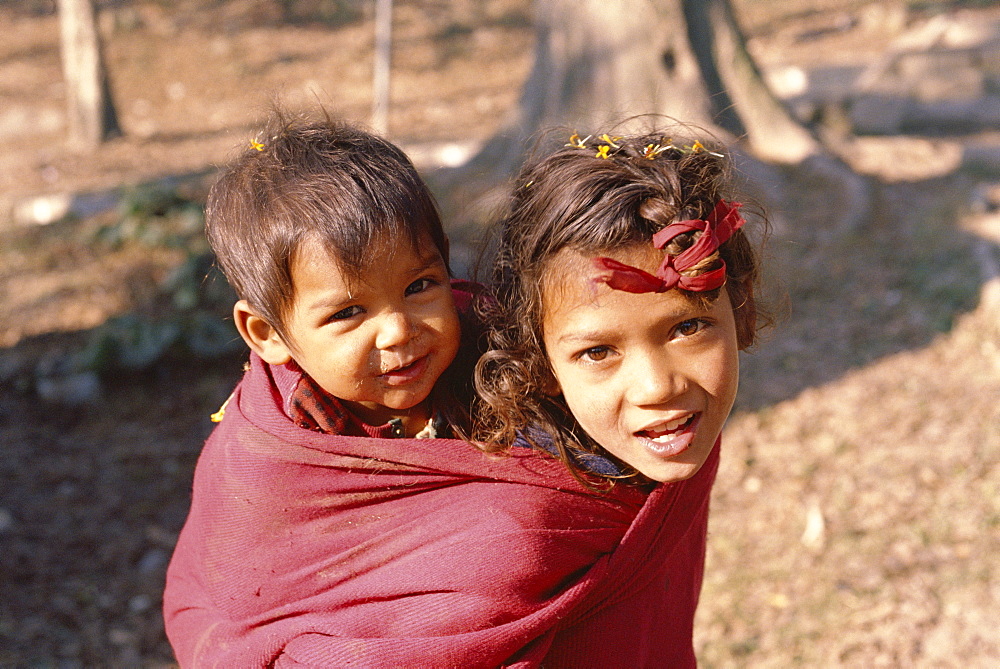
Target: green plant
x: 193, y: 299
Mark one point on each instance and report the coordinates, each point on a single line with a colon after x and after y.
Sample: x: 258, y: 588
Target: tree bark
x: 597, y: 63
x: 91, y: 113
x: 602, y: 64
x: 741, y: 101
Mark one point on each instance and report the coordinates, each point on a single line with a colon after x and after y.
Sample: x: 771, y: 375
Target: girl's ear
x: 550, y: 386
x: 260, y: 335
x: 745, y: 314
x: 445, y: 249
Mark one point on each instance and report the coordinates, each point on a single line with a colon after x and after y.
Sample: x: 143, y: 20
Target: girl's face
x: 650, y: 377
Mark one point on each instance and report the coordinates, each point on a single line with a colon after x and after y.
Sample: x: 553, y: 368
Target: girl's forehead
x: 570, y: 280
x: 579, y: 263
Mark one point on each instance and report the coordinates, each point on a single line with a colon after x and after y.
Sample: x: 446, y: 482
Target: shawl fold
x: 304, y: 549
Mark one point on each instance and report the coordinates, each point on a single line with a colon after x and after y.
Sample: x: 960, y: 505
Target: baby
x: 336, y: 251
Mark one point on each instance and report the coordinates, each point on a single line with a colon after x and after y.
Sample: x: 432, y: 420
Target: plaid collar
x: 312, y: 408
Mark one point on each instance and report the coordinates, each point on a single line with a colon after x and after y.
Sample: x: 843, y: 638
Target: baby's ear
x: 260, y: 335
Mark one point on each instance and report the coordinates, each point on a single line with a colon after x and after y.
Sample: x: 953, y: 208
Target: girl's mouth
x: 408, y: 372
x: 670, y: 438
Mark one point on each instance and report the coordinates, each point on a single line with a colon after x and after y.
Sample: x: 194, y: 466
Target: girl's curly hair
x: 591, y: 200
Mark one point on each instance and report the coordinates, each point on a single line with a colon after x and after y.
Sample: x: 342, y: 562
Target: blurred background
x: 856, y: 519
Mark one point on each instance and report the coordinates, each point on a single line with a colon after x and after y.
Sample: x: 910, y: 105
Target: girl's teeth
x: 666, y: 428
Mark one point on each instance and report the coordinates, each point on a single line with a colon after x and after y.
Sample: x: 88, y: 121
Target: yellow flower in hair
x: 577, y: 143
x: 651, y: 151
x: 698, y: 147
x: 254, y: 144
x: 218, y: 415
x: 602, y: 151
x: 610, y: 140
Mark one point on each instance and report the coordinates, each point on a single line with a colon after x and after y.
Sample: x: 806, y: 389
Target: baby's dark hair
x: 591, y: 200
x: 305, y: 177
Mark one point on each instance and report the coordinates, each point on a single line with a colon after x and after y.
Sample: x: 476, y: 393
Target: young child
x: 624, y: 286
x: 336, y: 251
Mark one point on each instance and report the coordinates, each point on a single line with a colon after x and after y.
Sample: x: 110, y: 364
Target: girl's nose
x: 395, y: 329
x: 654, y: 380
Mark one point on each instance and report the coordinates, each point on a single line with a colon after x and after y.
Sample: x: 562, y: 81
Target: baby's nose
x: 395, y: 329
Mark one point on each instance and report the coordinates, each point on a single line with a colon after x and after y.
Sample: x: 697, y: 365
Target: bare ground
x: 857, y: 515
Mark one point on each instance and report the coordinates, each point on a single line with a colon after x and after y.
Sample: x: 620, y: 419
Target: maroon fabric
x: 724, y: 220
x: 310, y: 550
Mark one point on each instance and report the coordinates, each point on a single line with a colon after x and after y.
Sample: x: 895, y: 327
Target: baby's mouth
x: 402, y: 374
x: 398, y: 368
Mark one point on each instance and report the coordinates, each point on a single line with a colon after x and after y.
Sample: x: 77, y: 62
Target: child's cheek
x: 592, y: 406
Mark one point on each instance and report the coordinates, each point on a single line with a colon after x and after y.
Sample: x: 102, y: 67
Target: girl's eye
x: 690, y: 327
x: 595, y: 354
x: 346, y: 313
x: 419, y: 286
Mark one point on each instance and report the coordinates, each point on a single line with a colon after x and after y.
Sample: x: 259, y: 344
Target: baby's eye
x: 419, y: 286
x: 595, y: 353
x: 690, y: 327
x: 346, y: 313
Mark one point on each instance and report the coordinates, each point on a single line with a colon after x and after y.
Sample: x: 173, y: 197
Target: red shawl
x: 306, y: 549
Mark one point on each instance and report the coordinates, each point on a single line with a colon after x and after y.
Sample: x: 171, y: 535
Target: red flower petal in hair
x: 620, y: 276
x: 716, y: 230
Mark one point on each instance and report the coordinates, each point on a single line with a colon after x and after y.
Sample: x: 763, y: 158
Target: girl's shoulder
x: 537, y: 439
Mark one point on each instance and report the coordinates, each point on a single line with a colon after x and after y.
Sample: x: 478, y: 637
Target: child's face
x: 379, y: 343
x: 650, y: 377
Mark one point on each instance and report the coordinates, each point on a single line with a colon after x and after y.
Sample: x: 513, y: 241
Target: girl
x: 624, y: 291
x: 624, y: 286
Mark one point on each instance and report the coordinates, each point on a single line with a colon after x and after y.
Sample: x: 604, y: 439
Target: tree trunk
x: 741, y: 101
x: 600, y: 64
x: 91, y: 112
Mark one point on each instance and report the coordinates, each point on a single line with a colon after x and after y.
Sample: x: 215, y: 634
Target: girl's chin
x: 676, y: 472
x: 681, y: 465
